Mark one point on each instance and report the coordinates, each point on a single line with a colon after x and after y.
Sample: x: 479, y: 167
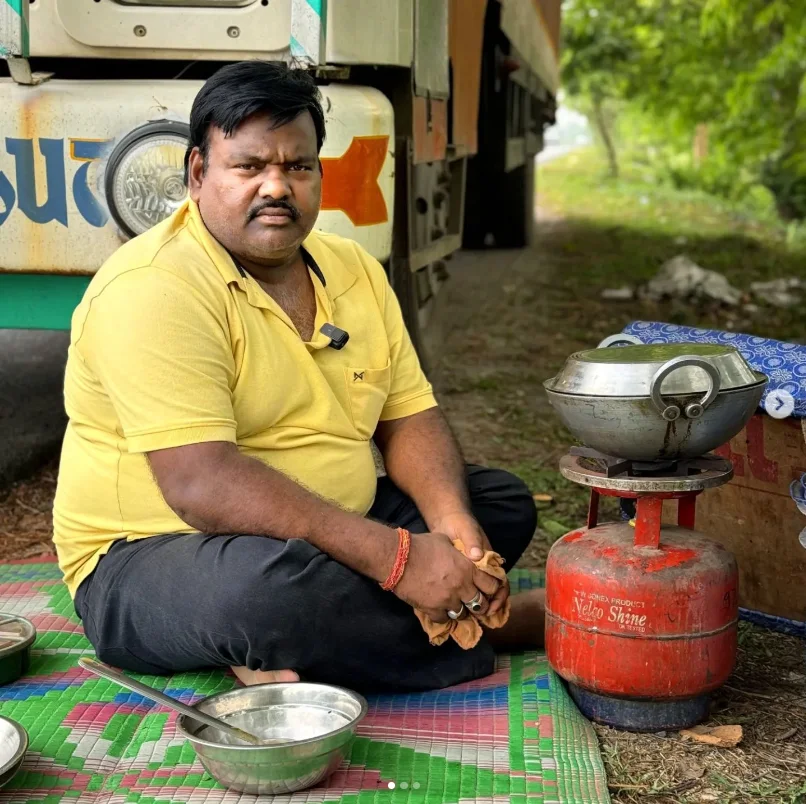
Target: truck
x: 435, y: 110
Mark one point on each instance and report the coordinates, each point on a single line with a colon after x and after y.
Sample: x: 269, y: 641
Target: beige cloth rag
x: 467, y: 631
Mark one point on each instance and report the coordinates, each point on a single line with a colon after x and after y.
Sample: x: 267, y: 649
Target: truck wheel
x: 517, y: 230
x: 500, y: 204
x: 424, y: 338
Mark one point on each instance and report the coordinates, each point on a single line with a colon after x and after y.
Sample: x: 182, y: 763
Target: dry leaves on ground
x: 719, y: 736
x: 26, y: 524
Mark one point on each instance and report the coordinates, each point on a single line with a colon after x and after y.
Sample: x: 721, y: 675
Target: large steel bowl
x: 633, y: 427
x: 630, y: 370
x: 648, y: 402
x: 309, y: 729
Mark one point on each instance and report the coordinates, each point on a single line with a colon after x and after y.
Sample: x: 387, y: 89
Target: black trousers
x: 175, y: 603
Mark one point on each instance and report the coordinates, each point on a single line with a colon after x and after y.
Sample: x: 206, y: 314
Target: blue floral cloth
x: 783, y: 363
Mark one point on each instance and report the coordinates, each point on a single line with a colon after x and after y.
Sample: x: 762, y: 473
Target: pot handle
x: 695, y: 409
x: 620, y: 337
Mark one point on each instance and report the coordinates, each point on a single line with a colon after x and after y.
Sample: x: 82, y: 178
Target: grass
x: 568, y: 504
x: 578, y: 184
x: 625, y: 230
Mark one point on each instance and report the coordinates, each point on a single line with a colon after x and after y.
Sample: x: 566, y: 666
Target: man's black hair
x: 239, y: 90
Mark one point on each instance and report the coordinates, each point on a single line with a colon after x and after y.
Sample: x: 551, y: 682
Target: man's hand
x: 464, y: 526
x: 439, y: 578
x: 423, y: 459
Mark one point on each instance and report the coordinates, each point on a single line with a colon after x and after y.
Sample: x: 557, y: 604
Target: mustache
x: 273, y: 204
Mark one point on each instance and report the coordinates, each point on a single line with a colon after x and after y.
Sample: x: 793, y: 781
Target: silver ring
x: 475, y: 604
x: 456, y: 615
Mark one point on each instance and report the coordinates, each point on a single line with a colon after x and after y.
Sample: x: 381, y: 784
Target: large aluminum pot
x: 655, y: 402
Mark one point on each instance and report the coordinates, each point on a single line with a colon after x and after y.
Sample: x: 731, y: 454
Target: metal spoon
x: 105, y: 671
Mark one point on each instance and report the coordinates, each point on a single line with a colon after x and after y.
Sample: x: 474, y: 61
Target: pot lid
x: 629, y: 370
x: 16, y: 634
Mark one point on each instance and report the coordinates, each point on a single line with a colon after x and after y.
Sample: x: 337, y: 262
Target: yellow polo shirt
x: 172, y: 345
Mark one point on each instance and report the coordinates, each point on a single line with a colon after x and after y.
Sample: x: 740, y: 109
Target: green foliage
x: 663, y: 221
x: 718, y: 175
x: 796, y: 236
x: 784, y: 173
x: 667, y: 66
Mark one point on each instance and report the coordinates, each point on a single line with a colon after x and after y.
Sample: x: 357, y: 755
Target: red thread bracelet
x: 401, y: 559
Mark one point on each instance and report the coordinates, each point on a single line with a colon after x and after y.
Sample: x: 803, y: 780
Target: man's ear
x: 195, y: 173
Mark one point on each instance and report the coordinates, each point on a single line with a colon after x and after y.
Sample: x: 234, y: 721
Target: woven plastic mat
x: 515, y: 736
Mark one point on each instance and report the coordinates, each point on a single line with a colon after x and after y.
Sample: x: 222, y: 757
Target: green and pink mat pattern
x: 513, y: 737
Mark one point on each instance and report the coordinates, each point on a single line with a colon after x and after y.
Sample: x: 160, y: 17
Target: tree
x: 736, y: 65
x: 766, y: 102
x: 597, y: 48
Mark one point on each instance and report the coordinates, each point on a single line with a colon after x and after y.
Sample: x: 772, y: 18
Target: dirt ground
x: 518, y: 316
x: 514, y: 318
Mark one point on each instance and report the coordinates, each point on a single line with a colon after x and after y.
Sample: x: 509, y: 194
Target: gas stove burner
x: 654, y: 467
x: 591, y: 468
x: 611, y: 466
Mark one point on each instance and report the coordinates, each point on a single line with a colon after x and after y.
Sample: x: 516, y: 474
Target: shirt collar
x: 335, y: 275
x: 338, y: 275
x: 218, y: 254
x: 309, y: 261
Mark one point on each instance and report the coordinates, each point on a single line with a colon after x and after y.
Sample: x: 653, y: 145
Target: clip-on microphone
x: 338, y: 337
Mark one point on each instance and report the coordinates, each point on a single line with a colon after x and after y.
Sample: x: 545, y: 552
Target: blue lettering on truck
x: 54, y: 207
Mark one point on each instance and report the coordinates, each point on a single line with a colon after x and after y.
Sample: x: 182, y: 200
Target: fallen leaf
x: 688, y: 784
x: 709, y: 797
x: 693, y: 772
x: 787, y: 734
x: 542, y: 498
x: 719, y: 736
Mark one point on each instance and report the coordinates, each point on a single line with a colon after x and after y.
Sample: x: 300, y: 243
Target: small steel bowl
x: 309, y: 729
x: 13, y: 746
x: 16, y: 637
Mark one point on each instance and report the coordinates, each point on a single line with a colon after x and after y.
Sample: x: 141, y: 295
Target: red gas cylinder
x: 641, y: 619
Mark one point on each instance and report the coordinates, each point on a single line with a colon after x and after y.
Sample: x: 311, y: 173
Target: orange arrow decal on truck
x: 350, y: 181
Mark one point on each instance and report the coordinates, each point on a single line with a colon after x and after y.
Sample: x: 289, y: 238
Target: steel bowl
x: 17, y: 635
x: 634, y: 427
x: 309, y: 729
x: 13, y: 746
x: 649, y: 402
x: 630, y: 370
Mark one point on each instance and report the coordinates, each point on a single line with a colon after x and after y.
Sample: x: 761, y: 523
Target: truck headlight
x: 143, y: 179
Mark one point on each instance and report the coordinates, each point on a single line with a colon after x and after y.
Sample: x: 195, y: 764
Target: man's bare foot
x: 526, y: 625
x: 249, y: 677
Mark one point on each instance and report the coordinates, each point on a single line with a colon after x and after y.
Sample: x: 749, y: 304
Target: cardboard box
x: 757, y: 520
